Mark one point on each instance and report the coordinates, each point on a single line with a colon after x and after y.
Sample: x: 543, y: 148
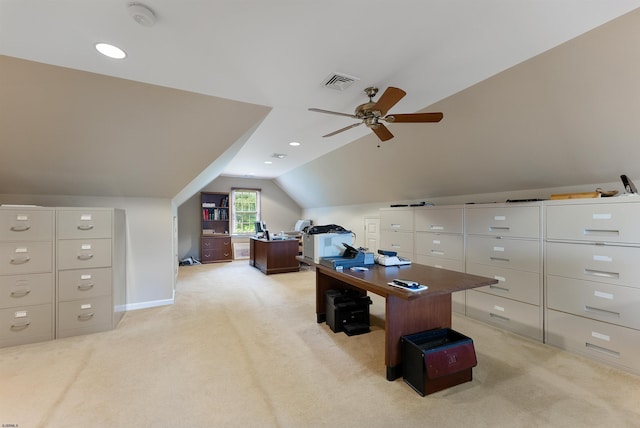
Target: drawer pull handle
x: 499, y: 259
x: 601, y: 232
x: 85, y: 256
x: 436, y: 227
x: 20, y: 228
x: 85, y: 317
x: 499, y: 317
x: 602, y: 273
x: 395, y: 246
x: 602, y: 350
x: 603, y: 312
x: 499, y: 229
x: 85, y: 287
x: 85, y: 227
x: 437, y: 252
x: 21, y: 293
x: 20, y: 326
x: 497, y: 288
x: 20, y: 261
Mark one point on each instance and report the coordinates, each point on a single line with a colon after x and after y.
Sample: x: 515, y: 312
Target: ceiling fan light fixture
x: 373, y: 112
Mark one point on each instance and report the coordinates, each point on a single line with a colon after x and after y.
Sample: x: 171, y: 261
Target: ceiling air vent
x: 339, y: 81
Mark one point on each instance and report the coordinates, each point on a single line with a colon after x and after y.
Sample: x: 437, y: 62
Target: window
x: 245, y: 207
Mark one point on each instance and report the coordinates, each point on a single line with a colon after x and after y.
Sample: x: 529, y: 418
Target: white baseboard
x: 151, y: 304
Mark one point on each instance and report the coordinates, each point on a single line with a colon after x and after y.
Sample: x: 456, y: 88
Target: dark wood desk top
x: 376, y: 279
x: 270, y: 241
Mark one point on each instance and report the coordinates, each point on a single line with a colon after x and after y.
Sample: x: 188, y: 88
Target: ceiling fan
x: 373, y: 113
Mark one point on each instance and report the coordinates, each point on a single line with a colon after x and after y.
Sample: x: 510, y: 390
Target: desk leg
x: 411, y: 316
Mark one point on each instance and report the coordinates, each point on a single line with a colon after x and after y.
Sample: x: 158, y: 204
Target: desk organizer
x: 437, y: 359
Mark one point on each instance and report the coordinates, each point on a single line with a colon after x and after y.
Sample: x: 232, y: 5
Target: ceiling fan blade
x: 414, y: 117
x: 343, y: 129
x: 382, y: 132
x: 390, y: 97
x: 319, y: 110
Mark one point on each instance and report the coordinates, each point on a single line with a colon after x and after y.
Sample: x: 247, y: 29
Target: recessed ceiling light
x: 294, y: 144
x: 110, y: 50
x: 268, y: 162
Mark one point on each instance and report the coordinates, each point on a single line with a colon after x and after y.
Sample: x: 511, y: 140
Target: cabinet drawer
x: 610, y: 303
x: 619, y: 346
x: 523, y: 222
x: 402, y: 242
x: 84, y: 224
x: 84, y: 253
x: 439, y: 245
x: 26, y: 324
x: 84, y: 283
x: 433, y: 219
x: 509, y: 253
x: 84, y: 316
x: 26, y: 290
x: 512, y: 315
x: 26, y: 225
x: 221, y: 244
x: 400, y: 219
x: 25, y: 257
x: 451, y: 264
x: 512, y: 284
x: 215, y: 255
x: 603, y: 263
x: 594, y: 222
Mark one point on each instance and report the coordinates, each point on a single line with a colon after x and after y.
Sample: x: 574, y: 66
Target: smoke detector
x: 141, y: 14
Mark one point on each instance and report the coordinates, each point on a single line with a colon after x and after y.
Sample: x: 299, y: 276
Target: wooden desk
x: 406, y: 311
x: 274, y: 256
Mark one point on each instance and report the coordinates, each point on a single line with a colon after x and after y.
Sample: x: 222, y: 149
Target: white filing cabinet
x: 439, y: 242
x: 592, y: 251
x: 91, y: 292
x: 504, y: 242
x: 26, y: 275
x: 396, y: 230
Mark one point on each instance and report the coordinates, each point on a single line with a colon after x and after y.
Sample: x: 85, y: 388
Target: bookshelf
x: 215, y: 240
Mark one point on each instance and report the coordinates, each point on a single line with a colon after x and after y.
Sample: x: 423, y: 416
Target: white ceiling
x: 275, y: 54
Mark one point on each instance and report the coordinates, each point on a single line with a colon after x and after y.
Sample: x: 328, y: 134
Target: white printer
x: 324, y: 245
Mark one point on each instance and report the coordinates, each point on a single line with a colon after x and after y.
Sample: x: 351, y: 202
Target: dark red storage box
x: 437, y: 359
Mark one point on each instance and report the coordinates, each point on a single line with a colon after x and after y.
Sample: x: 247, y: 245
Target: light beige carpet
x: 241, y: 349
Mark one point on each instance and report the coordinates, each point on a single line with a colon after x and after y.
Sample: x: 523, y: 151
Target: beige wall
x: 279, y: 211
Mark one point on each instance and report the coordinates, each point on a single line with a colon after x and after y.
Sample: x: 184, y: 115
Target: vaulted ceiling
x: 531, y: 97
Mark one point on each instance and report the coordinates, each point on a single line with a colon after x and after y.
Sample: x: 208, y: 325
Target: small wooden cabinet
x: 215, y: 248
x: 215, y: 240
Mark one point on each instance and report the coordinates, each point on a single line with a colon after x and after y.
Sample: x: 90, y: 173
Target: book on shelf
x: 215, y: 214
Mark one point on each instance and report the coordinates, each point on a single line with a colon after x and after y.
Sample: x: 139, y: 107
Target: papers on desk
x: 384, y: 260
x: 407, y: 285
